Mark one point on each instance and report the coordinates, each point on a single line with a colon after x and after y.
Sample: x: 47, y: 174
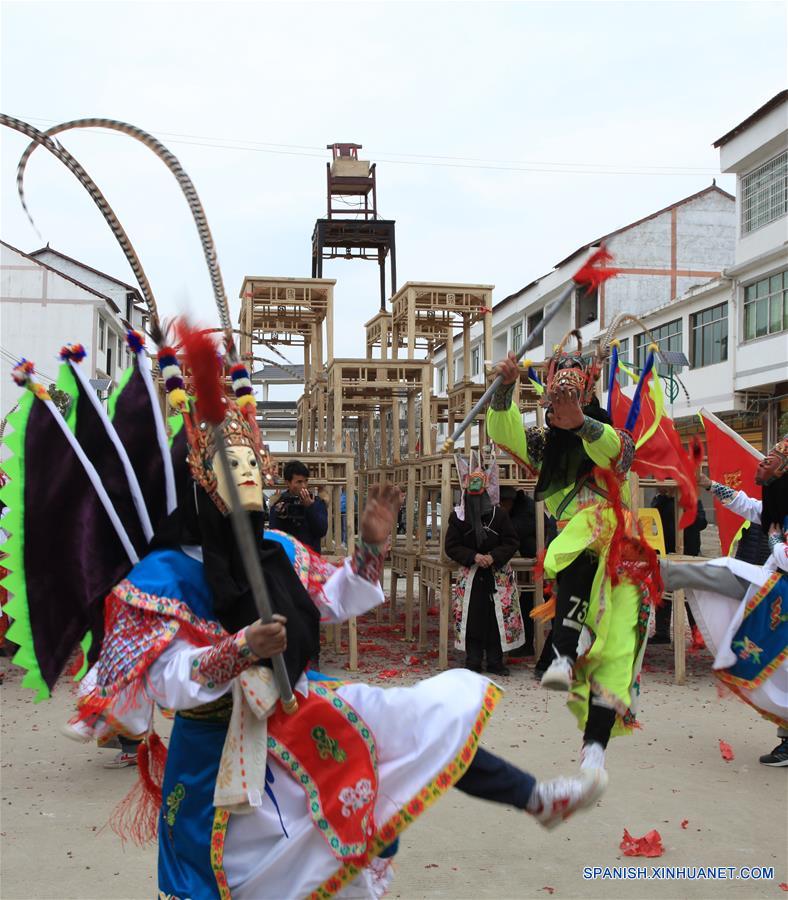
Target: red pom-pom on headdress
x: 203, y: 361
x: 135, y: 340
x: 22, y: 372
x: 73, y: 353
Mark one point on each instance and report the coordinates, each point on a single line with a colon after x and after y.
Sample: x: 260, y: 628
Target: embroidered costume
x: 252, y: 800
x: 742, y: 609
x: 604, y: 574
x: 486, y: 609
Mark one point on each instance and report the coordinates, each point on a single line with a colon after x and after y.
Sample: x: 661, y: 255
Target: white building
x: 734, y: 329
x: 708, y: 276
x: 658, y: 257
x: 48, y: 299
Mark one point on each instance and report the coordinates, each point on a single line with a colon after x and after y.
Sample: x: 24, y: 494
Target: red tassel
x: 136, y: 817
x: 592, y: 275
x: 203, y: 361
x: 619, y: 534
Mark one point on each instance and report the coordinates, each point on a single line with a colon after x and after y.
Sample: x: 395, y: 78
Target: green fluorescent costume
x: 593, y: 514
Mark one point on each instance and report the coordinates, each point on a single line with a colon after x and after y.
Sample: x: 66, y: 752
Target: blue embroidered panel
x: 173, y: 574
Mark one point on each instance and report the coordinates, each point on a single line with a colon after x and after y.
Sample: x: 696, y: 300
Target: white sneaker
x: 561, y: 797
x: 559, y: 676
x: 76, y: 730
x: 121, y: 760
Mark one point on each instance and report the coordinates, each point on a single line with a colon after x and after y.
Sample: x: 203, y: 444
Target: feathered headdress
x: 573, y: 370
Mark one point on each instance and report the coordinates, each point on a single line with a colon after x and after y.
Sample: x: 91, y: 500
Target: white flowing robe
x: 719, y: 617
x: 418, y: 731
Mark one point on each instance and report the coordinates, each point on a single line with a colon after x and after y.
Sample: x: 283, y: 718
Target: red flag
x: 662, y: 455
x: 732, y: 461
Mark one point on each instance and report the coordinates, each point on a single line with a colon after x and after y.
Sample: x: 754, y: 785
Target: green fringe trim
x: 85, y: 644
x: 113, y: 397
x: 13, y: 494
x: 174, y: 425
x: 67, y: 382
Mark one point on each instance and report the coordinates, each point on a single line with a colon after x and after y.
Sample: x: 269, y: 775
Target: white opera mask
x: 245, y: 472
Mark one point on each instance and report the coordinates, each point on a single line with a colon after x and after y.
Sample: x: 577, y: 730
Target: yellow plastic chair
x: 651, y: 524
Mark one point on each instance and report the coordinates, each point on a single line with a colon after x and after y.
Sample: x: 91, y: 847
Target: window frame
x: 518, y: 329
x: 764, y: 297
x: 538, y: 316
x: 699, y: 329
x: 764, y: 194
x: 476, y: 360
x: 642, y: 340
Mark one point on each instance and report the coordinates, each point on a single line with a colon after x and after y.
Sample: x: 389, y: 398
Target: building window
x: 517, y: 337
x: 766, y: 306
x: 623, y: 356
x: 533, y: 320
x: 109, y: 361
x: 441, y: 379
x: 764, y: 194
x: 586, y: 306
x: 709, y: 331
x: 102, y: 333
x: 120, y: 352
x: 457, y: 370
x: 667, y: 337
x: 475, y: 360
x: 130, y: 308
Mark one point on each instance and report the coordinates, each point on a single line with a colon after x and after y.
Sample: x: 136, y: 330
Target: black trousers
x: 599, y: 723
x: 489, y: 777
x: 482, y: 632
x: 571, y: 606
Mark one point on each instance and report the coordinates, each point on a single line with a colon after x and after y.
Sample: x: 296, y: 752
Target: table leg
x: 679, y: 644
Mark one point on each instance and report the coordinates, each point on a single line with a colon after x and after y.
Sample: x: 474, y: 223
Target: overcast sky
x: 546, y: 125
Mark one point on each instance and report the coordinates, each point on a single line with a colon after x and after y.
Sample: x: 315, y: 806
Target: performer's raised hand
x: 703, y: 480
x: 381, y: 513
x: 508, y: 368
x: 267, y: 640
x: 565, y: 409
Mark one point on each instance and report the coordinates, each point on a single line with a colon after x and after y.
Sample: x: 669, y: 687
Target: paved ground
x: 56, y: 798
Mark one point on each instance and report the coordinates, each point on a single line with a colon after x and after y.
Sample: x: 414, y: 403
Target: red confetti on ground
x: 726, y: 751
x: 389, y: 673
x: 783, y: 886
x: 684, y: 823
x: 550, y: 890
x: 649, y: 845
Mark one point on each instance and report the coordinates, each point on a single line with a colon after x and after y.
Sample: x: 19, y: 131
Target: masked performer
x: 742, y: 609
x: 601, y: 567
x: 255, y: 801
x: 481, y: 538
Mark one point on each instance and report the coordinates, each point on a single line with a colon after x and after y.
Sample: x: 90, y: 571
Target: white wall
x: 39, y: 312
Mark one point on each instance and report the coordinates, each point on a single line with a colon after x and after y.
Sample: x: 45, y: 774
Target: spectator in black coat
x: 521, y: 508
